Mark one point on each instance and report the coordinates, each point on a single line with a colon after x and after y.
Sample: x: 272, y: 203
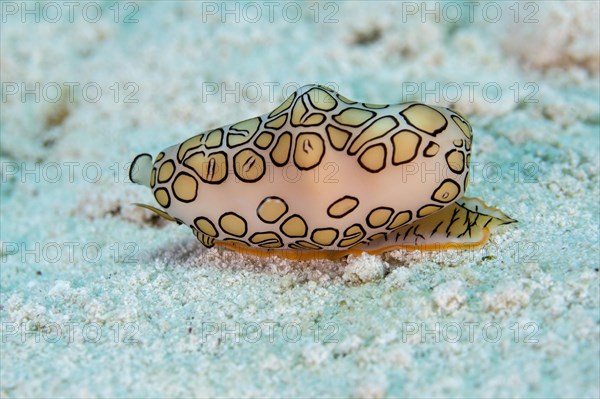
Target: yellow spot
x: 284, y: 105
x: 399, y: 219
x: 277, y: 122
x: 153, y: 178
x: 309, y: 150
x: 233, y: 224
x: 354, y: 116
x: 281, y: 152
x: 214, y: 138
x: 271, y: 209
x: 379, y: 216
x: 345, y: 99
x: 342, y: 207
x: 425, y: 118
x: 306, y: 244
x: 406, y: 145
x: 249, y: 166
x: 456, y: 161
x: 166, y: 170
x: 298, y: 112
x: 266, y: 240
x: 162, y: 197
x: 373, y: 158
x: 432, y: 149
x: 313, y: 120
x: 447, y: 191
x: 457, y: 143
x: 325, y: 236
x: 294, y: 226
x: 264, y: 140
x: 211, y: 168
x: 160, y: 156
x: 185, y: 187
x: 428, y: 210
x: 464, y: 126
x: 242, y: 131
x: 191, y: 143
x: 338, y: 137
x: 379, y: 128
x: 322, y: 100
x: 206, y: 226
x: 353, y: 235
x: 374, y: 106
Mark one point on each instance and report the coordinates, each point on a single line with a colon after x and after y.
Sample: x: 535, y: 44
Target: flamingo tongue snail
x: 322, y: 176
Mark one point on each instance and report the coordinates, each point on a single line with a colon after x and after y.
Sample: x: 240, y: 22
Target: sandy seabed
x: 100, y: 299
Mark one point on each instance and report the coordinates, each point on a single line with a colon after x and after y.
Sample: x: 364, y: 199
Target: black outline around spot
x: 168, y: 197
x: 210, y: 222
x: 208, y: 156
x: 453, y: 117
x: 272, y: 198
x: 410, y: 217
x: 152, y: 178
x: 379, y: 106
x: 340, y: 200
x: 441, y: 184
x: 376, y: 209
x: 270, y: 142
x: 431, y: 144
x: 175, y: 192
x: 346, y: 237
x: 464, y: 159
x: 384, y: 158
x: 292, y: 111
x: 287, y: 159
x: 435, y: 132
x: 319, y: 88
x: 293, y: 95
x: 220, y: 141
x: 331, y: 141
x: 232, y: 131
x: 273, y: 120
x: 261, y: 244
x: 430, y: 213
x: 301, y: 247
x: 333, y: 117
x: 374, y: 138
x: 337, y: 234
x: 416, y: 153
x: 135, y: 160
x: 161, y: 166
x: 296, y: 146
x: 352, y: 102
x: 235, y: 169
x: 290, y: 217
x: 180, y: 159
x: 234, y: 214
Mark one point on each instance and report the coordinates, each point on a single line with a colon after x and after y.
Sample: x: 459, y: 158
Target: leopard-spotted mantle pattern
x: 324, y: 176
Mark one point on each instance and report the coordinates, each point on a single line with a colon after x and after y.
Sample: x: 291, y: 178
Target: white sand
x: 99, y: 299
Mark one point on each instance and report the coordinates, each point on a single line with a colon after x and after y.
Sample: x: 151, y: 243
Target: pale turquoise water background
x: 99, y: 299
